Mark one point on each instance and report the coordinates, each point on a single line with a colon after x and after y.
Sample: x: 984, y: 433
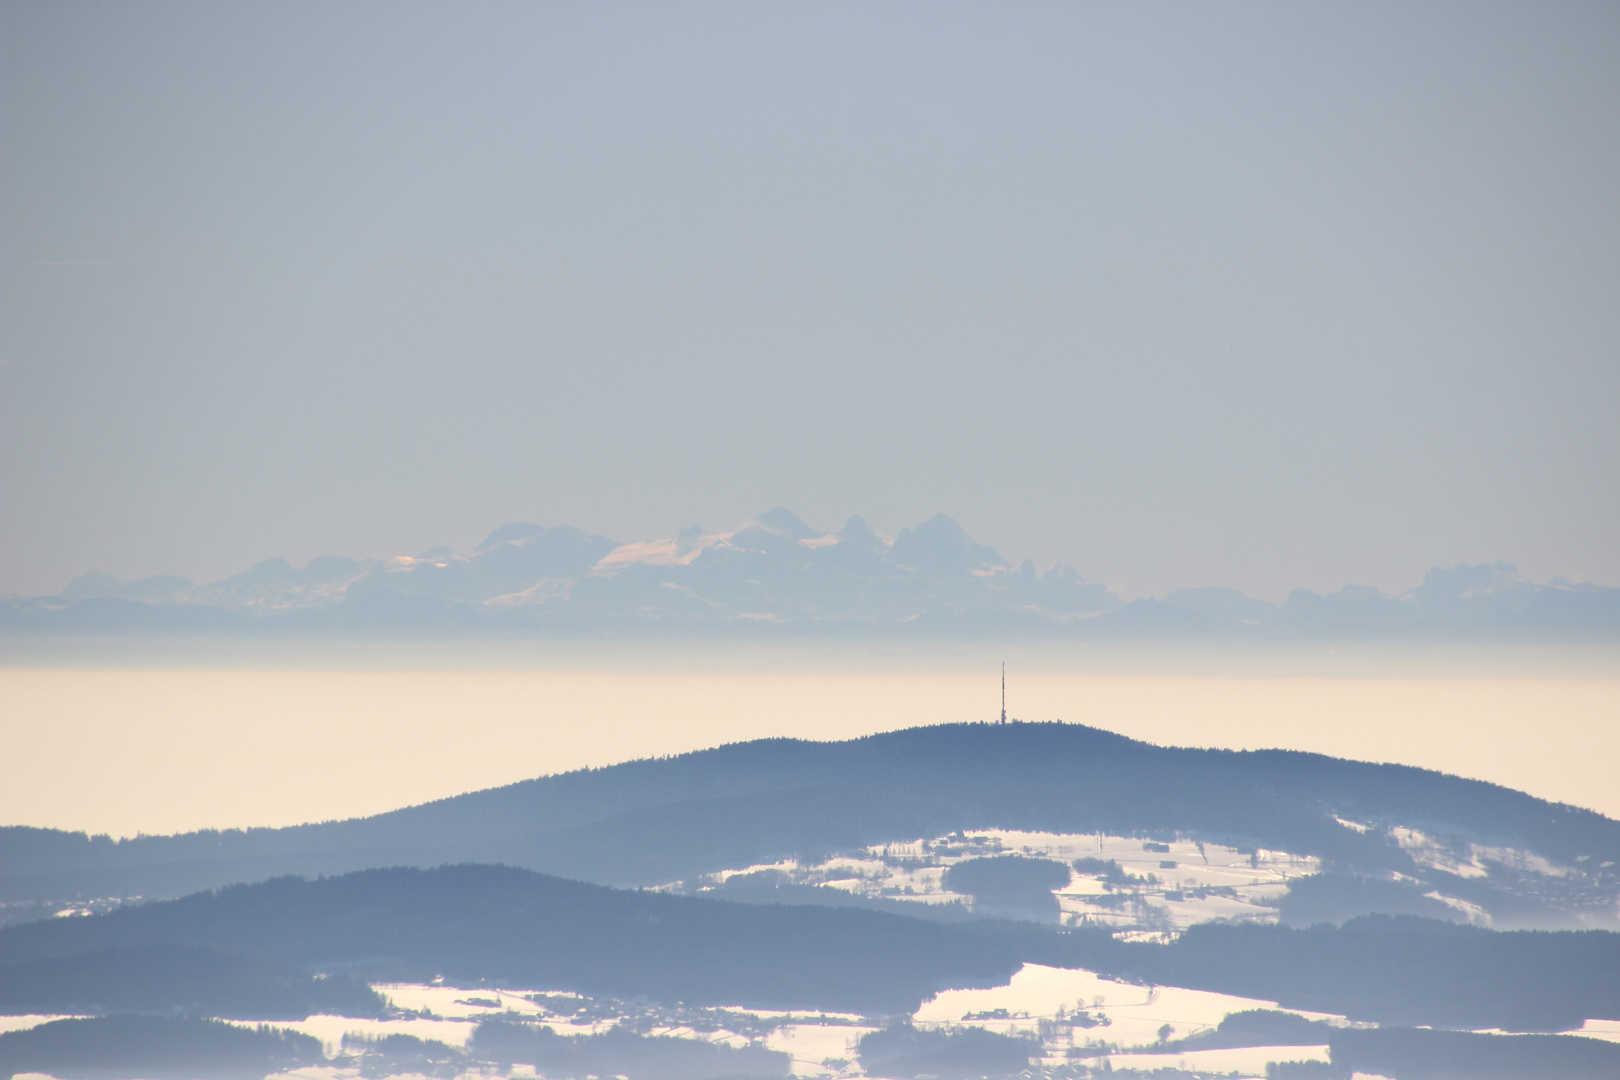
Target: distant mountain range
x: 780, y: 576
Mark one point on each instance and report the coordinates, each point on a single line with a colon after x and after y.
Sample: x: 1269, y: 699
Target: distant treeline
x: 1008, y: 878
x: 498, y: 924
x: 132, y: 1047
x: 1413, y: 1054
x: 1334, y: 898
x: 1389, y: 969
x: 650, y: 822
x: 138, y: 1047
x: 153, y: 1048
x: 771, y: 886
x: 1407, y: 1054
x: 904, y: 1051
x: 620, y: 1052
x: 171, y: 978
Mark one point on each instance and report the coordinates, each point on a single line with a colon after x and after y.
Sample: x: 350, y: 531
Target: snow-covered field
x: 1161, y: 886
x: 1118, y: 1014
x: 1079, y: 1018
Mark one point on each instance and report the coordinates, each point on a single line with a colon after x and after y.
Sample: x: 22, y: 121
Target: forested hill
x: 652, y: 821
x: 512, y: 927
x: 498, y: 926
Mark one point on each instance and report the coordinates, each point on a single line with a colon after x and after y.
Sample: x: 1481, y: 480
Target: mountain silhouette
x: 780, y: 575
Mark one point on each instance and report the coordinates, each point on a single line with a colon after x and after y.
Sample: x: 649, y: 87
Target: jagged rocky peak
x: 787, y: 523
x: 1220, y: 604
x: 1462, y: 582
x: 941, y: 545
x: 517, y: 530
x: 933, y: 577
x: 858, y: 533
x: 690, y: 539
x: 93, y: 582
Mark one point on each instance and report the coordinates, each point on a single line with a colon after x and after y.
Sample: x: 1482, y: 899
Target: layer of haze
x: 157, y: 749
x: 1266, y: 295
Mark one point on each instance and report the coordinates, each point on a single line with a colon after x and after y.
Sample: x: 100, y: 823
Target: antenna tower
x: 1004, y: 691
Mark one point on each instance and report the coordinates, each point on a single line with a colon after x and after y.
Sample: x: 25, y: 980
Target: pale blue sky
x: 1262, y: 295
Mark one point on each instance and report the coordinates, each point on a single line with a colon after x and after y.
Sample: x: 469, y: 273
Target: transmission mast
x: 1004, y: 691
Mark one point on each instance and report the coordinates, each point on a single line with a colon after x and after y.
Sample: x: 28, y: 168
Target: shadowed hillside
x: 1392, y: 970
x: 514, y: 927
x: 492, y: 925
x: 170, y: 978
x: 153, y: 1048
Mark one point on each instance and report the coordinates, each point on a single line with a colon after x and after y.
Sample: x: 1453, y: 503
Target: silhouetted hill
x: 476, y: 923
x: 652, y: 821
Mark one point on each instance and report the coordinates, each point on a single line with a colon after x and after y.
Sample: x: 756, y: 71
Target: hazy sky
x: 1252, y: 294
x: 127, y: 750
